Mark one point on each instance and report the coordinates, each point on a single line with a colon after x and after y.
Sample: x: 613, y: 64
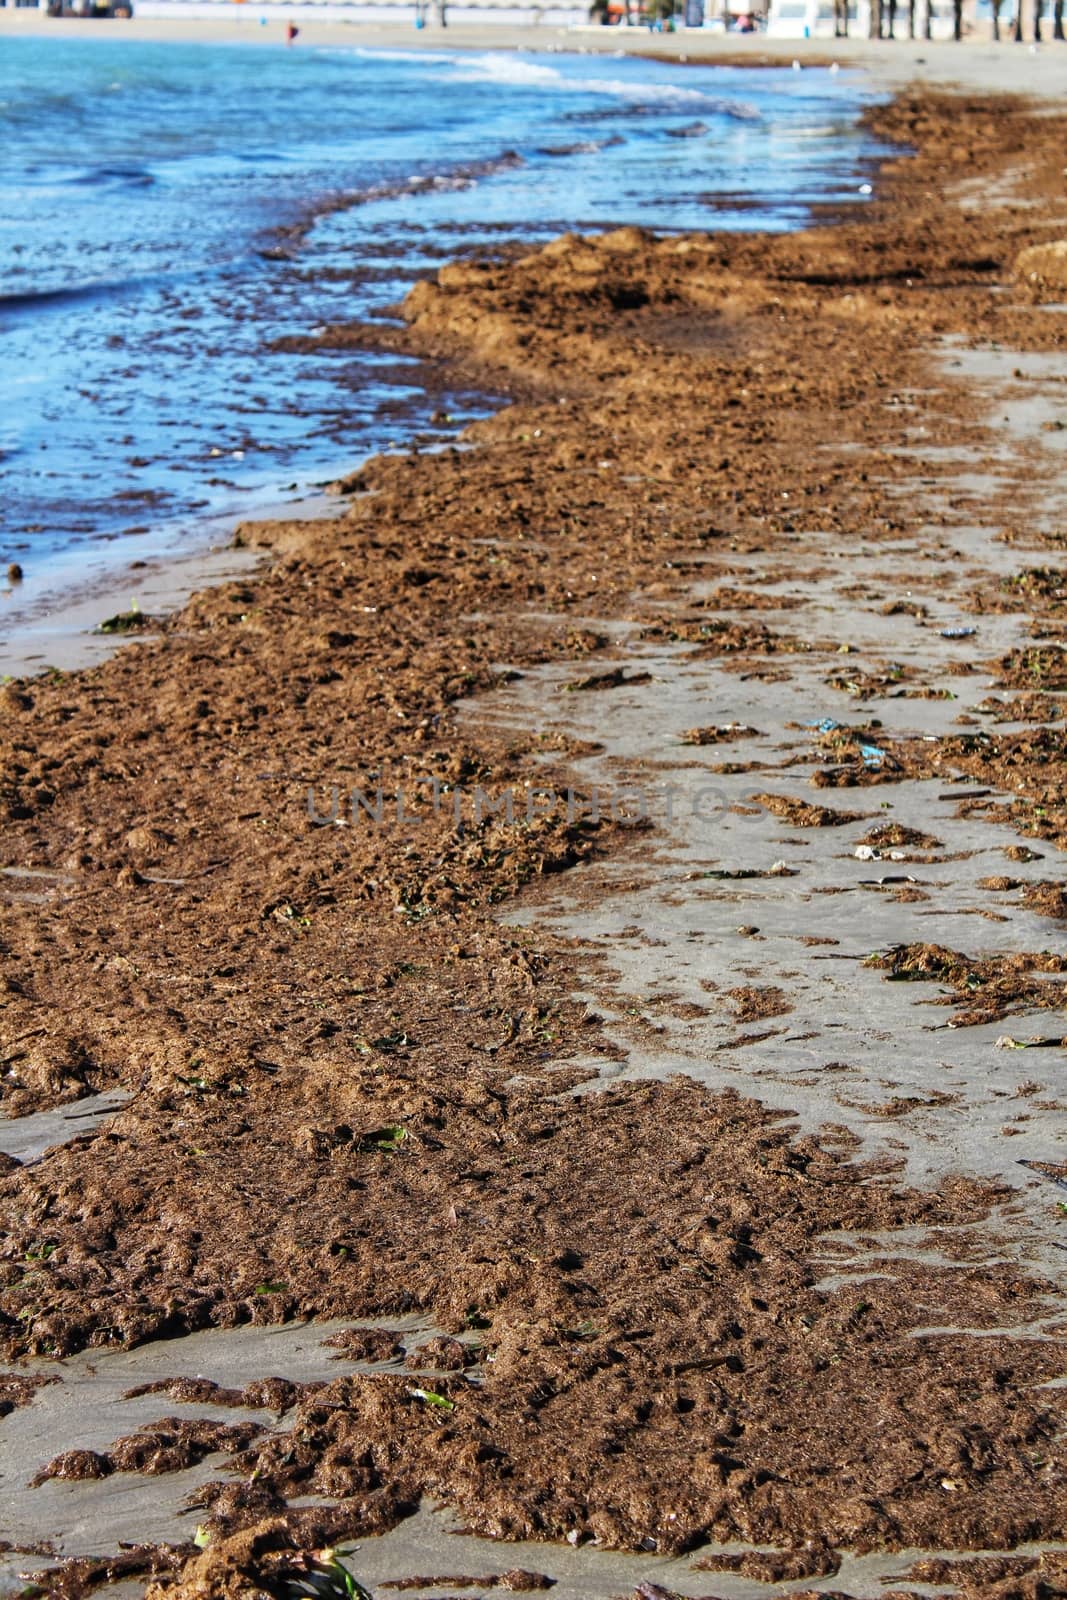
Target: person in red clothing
x: 291, y: 32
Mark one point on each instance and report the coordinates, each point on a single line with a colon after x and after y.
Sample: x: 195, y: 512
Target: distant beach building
x: 825, y: 19
x: 781, y: 19
x: 550, y: 13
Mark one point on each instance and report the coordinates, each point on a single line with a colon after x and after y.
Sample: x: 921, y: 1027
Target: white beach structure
x: 816, y: 19
x: 550, y: 13
x: 775, y: 19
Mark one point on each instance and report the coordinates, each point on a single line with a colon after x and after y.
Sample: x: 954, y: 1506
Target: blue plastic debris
x: 872, y: 756
x: 957, y: 633
x: 827, y: 725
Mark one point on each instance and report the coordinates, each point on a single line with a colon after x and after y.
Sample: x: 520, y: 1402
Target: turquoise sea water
x: 170, y: 214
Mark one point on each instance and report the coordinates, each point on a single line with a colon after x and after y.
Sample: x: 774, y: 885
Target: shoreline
x: 50, y: 615
x: 59, y: 628
x: 339, y: 1016
x: 972, y: 65
x: 65, y: 608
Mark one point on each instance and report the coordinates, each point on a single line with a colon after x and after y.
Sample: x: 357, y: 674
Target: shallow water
x: 170, y: 212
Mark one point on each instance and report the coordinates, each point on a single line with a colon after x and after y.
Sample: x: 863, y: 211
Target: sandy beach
x: 583, y: 924
x: 975, y: 64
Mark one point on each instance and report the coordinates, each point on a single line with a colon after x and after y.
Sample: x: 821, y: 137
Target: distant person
x: 292, y: 32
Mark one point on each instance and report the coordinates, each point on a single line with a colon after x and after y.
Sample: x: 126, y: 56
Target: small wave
x: 64, y: 294
x: 736, y: 110
x: 463, y: 176
x: 822, y: 130
x: 581, y: 147
x: 509, y: 69
x: 732, y: 110
x: 44, y: 175
x: 261, y: 158
x: 371, y: 53
x: 137, y: 177
x: 499, y: 68
x: 286, y: 240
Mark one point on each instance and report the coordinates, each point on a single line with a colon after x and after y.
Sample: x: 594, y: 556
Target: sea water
x: 174, y: 218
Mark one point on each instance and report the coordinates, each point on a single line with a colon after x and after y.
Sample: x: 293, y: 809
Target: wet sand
x: 59, y: 619
x: 721, y: 1145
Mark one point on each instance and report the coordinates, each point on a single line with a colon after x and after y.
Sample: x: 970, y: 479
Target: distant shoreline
x: 972, y: 65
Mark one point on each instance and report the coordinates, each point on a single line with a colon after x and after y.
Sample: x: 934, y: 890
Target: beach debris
x: 801, y: 814
x: 869, y: 852
x: 387, y: 1140
x: 517, y: 1580
x: 720, y: 734
x: 778, y: 870
x: 1042, y: 1170
x: 691, y: 130
x: 958, y: 633
x: 323, y: 1576
x: 754, y: 1002
x: 366, y: 1344
x: 442, y: 1353
x: 1044, y: 265
x: 615, y: 679
x: 130, y: 621
x: 894, y: 834
x: 1035, y: 1042
x: 431, y: 1397
x: 825, y: 725
x: 814, y: 1559
x: 1047, y: 899
x: 74, y: 1465
x: 14, y: 572
x: 847, y: 742
x: 12, y: 698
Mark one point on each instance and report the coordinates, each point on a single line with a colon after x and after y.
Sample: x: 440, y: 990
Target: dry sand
x: 974, y: 64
